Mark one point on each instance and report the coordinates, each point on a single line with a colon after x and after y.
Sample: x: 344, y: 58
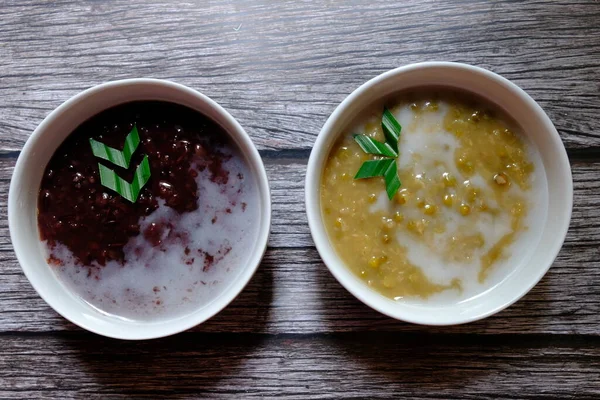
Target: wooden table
x: 281, y: 68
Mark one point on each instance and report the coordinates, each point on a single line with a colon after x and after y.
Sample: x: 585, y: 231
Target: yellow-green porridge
x: 469, y: 184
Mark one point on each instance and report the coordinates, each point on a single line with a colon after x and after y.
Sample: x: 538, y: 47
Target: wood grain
x: 280, y: 68
x: 250, y: 366
x: 293, y: 292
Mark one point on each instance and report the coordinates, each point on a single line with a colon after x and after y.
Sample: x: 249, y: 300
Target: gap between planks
x: 300, y: 366
x: 525, y: 339
x: 301, y: 155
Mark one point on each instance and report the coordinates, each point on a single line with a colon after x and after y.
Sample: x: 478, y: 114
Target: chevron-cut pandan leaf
x: 387, y: 165
x: 372, y: 146
x: 392, y: 182
x: 122, y: 158
x: 130, y: 191
x: 391, y: 129
x: 373, y: 168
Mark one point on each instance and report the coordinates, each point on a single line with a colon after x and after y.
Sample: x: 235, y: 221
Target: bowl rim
x: 313, y: 180
x: 111, y: 326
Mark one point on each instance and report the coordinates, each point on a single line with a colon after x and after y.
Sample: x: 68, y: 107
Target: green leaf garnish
x: 386, y: 167
x: 373, y: 168
x: 110, y: 179
x: 130, y: 191
x: 391, y: 129
x: 372, y: 146
x: 392, y: 182
x: 117, y: 157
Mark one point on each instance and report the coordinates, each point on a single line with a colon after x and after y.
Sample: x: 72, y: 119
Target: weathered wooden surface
x: 281, y: 68
x: 300, y: 366
x: 293, y: 292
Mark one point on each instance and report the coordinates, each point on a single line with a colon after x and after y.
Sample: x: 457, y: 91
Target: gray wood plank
x: 293, y: 292
x: 325, y: 367
x: 281, y: 67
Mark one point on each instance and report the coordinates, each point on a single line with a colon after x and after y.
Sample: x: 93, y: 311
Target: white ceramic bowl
x: 541, y: 133
x: 25, y: 183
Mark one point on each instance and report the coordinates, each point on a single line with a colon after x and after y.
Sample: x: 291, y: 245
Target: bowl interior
x: 25, y: 186
x: 540, y: 132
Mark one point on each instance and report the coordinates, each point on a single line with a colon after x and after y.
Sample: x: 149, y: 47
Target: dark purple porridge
x: 180, y: 243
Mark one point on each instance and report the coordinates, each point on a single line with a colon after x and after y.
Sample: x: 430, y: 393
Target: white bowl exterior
x: 25, y: 183
x: 541, y: 133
